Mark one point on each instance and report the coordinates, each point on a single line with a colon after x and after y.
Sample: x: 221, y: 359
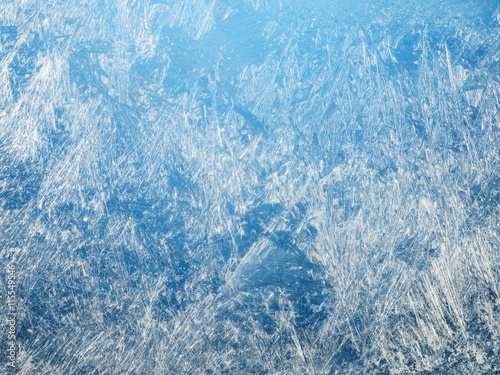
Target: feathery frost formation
x: 251, y: 187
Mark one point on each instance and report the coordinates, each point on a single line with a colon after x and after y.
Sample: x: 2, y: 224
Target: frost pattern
x: 252, y: 187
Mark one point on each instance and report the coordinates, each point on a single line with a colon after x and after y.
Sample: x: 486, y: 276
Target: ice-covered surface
x: 251, y: 187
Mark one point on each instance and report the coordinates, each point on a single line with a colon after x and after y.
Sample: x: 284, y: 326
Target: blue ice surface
x: 251, y: 186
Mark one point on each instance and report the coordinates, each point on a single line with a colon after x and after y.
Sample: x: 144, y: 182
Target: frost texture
x: 252, y: 187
